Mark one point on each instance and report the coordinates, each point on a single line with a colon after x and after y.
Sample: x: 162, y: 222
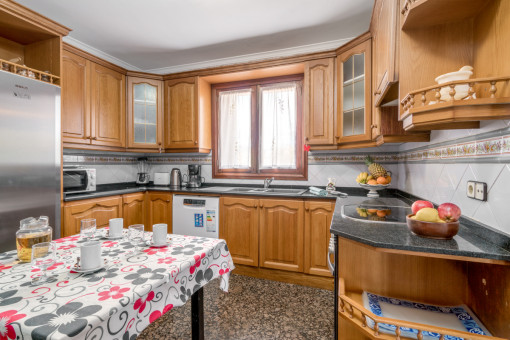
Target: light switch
x: 481, y: 191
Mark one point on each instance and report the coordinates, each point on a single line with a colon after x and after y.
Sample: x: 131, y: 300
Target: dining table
x: 118, y: 301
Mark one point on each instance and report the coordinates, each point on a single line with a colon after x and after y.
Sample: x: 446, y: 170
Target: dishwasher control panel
x: 193, y: 202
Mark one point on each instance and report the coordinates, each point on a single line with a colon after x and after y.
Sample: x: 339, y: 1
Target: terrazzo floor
x: 253, y: 309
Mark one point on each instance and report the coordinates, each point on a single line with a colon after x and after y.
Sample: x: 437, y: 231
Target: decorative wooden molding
x: 354, y: 42
x: 91, y: 57
x: 33, y: 18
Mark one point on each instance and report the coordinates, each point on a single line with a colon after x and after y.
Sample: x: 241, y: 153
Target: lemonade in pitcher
x: 32, y: 231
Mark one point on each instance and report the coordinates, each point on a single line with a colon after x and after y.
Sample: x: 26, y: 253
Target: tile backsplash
x: 437, y: 171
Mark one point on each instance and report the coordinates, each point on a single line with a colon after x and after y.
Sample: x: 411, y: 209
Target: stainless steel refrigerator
x: 29, y: 154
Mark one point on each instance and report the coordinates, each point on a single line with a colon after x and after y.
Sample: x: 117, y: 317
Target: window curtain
x: 235, y: 129
x: 278, y: 104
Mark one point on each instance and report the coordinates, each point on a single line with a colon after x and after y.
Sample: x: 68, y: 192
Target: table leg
x: 197, y: 315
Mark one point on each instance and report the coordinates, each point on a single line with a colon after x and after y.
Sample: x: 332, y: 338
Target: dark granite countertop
x: 473, y: 240
x: 104, y: 190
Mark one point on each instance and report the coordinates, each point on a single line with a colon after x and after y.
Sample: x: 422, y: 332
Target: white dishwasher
x: 195, y: 215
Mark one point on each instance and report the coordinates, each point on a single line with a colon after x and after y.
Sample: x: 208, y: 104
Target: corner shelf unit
x: 423, y: 109
x: 350, y: 308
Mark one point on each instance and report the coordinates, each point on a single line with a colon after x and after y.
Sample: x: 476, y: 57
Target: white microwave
x: 78, y: 180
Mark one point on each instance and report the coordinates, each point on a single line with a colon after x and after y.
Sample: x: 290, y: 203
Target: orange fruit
x: 372, y: 182
x: 372, y: 211
x: 388, y: 178
x: 382, y: 180
x: 381, y: 213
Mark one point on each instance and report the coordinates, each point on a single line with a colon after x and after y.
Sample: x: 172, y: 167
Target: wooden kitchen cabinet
x: 159, y: 207
x: 187, y: 115
x: 319, y: 102
x: 384, y: 28
x: 318, y: 215
x: 281, y: 234
x: 239, y: 227
x: 108, y: 106
x: 133, y: 209
x: 354, y: 86
x: 102, y: 209
x: 75, y: 99
x: 145, y: 114
x: 93, y: 104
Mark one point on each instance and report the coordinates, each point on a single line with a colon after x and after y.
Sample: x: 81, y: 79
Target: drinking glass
x: 43, y: 256
x: 136, y: 235
x: 88, y: 228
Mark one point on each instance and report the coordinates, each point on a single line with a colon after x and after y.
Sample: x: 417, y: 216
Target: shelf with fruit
x: 440, y: 223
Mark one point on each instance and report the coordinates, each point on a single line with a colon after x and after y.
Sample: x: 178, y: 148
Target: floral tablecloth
x: 117, y: 302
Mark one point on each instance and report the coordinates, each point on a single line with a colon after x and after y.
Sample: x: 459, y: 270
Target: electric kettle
x: 175, y: 178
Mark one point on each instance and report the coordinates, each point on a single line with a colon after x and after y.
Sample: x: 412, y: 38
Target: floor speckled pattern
x: 253, y: 309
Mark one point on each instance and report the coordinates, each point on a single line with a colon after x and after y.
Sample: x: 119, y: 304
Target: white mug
x: 90, y: 255
x: 159, y: 234
x: 116, y: 226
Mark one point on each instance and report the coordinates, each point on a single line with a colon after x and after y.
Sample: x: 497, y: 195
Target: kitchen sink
x: 269, y: 191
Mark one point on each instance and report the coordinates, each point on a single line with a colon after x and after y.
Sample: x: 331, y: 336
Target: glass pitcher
x: 32, y: 231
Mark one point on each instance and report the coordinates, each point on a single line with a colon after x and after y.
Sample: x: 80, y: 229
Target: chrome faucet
x: 267, y: 182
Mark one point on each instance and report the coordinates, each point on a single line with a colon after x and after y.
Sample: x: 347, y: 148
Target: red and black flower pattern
x: 116, y: 302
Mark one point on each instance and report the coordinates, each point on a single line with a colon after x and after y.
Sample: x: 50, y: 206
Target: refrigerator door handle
x: 331, y: 251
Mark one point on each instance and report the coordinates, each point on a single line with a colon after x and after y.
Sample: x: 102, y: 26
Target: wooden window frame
x: 301, y: 171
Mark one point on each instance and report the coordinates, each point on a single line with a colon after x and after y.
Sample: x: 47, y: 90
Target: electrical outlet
x: 481, y: 191
x: 470, y: 191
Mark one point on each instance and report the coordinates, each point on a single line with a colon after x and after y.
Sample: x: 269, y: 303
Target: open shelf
x: 424, y: 110
x: 350, y: 308
x: 28, y: 72
x: 425, y: 13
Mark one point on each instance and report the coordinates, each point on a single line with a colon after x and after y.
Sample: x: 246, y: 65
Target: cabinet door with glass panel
x: 145, y: 114
x: 354, y: 94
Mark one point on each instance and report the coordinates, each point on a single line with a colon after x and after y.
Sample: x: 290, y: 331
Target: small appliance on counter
x: 143, y: 177
x: 175, y: 178
x: 194, y: 178
x: 162, y: 178
x: 78, y: 180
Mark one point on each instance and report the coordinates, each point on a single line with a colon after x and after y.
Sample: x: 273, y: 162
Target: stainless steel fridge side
x: 29, y: 154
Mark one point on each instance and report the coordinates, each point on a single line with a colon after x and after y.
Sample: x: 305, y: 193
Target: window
x: 257, y: 129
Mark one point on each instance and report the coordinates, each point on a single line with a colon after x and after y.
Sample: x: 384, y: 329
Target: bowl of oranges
x: 377, y: 178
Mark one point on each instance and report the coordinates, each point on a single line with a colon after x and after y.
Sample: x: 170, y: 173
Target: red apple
x: 449, y: 212
x: 420, y: 205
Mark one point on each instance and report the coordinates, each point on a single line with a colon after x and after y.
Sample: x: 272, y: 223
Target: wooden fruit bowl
x: 440, y: 231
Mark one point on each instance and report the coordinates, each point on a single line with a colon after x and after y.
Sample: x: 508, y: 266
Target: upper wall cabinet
x: 319, y: 101
x: 187, y: 115
x: 384, y: 29
x: 145, y: 114
x: 30, y: 44
x: 354, y: 104
x: 93, y: 105
x: 442, y: 36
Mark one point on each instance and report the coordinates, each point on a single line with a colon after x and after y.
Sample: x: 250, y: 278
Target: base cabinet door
x: 281, y: 234
x: 133, y: 209
x: 159, y: 210
x: 102, y: 209
x: 240, y: 228
x: 318, y: 217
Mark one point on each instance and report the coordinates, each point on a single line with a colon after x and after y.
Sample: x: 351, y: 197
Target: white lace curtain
x: 235, y: 129
x: 278, y: 126
x: 278, y: 115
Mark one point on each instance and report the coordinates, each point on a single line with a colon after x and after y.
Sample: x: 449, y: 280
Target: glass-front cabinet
x: 354, y: 88
x: 145, y: 114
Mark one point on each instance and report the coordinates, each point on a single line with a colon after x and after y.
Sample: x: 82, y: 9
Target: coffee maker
x: 143, y: 177
x: 194, y: 178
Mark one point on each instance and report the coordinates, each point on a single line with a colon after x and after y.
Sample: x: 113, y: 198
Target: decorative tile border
x: 491, y: 148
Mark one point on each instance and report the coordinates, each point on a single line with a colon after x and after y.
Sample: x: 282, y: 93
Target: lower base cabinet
x: 282, y: 234
x: 133, y: 209
x: 102, y: 209
x: 159, y: 207
x: 318, y: 217
x: 239, y: 226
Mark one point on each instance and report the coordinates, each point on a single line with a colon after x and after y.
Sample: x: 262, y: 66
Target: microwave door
x: 75, y: 181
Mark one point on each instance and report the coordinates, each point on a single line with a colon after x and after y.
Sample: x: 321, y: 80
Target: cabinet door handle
x: 377, y: 93
x: 306, y: 139
x: 337, y: 137
x: 261, y: 205
x: 196, y: 142
x: 159, y: 147
x: 373, y: 126
x: 94, y: 138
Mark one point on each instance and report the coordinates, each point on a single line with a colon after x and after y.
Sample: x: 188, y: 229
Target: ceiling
x: 166, y: 36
